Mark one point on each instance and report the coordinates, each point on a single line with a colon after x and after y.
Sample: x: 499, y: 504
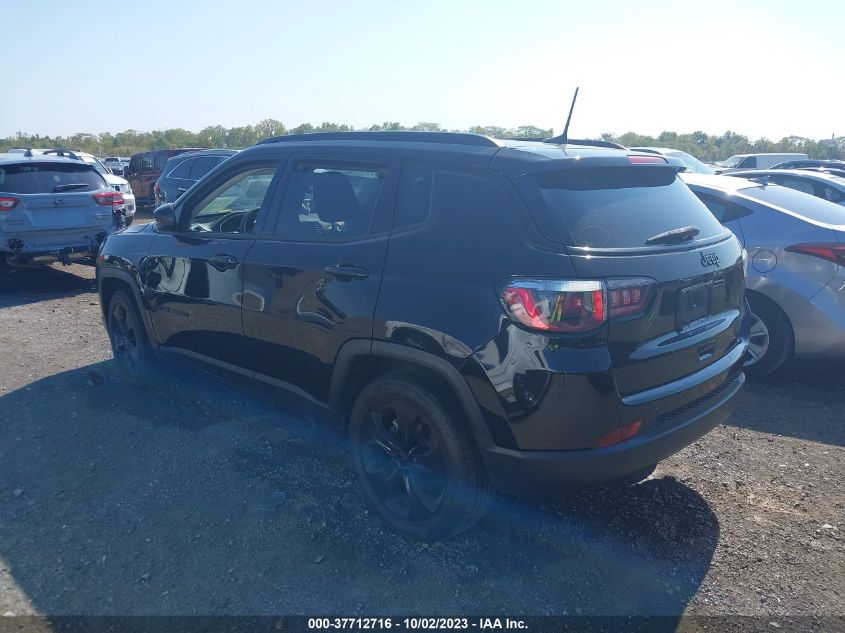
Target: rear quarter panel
x: 789, y: 279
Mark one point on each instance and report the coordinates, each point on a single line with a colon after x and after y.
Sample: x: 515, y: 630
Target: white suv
x: 116, y: 182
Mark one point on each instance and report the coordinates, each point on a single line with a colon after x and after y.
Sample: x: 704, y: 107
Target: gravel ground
x: 191, y: 498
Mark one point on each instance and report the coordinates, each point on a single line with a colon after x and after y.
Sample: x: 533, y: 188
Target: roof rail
x: 588, y: 142
x: 61, y: 151
x: 454, y: 138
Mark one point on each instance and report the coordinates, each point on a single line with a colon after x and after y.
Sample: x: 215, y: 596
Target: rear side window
x: 799, y: 184
x: 809, y: 207
x: 49, y: 178
x: 160, y: 160
x: 146, y: 162
x: 202, y: 166
x: 831, y: 194
x: 619, y: 207
x: 183, y: 169
x: 414, y: 202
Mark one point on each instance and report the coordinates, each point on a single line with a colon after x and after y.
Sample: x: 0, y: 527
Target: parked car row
x: 474, y: 314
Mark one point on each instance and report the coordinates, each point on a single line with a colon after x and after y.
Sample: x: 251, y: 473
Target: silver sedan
x: 796, y: 266
x: 825, y: 186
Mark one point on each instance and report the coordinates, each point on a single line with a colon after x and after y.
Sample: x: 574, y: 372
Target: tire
x: 772, y: 341
x: 128, y: 338
x: 418, y: 466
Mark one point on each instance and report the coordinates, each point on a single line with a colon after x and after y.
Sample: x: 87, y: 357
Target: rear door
x: 674, y: 275
x: 194, y: 277
x: 52, y: 196
x: 311, y: 283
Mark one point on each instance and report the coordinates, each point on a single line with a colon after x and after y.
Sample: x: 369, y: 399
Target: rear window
x: 620, y: 207
x: 800, y: 203
x: 49, y: 178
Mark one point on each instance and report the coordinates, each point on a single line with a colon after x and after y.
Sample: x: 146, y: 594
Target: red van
x: 145, y: 168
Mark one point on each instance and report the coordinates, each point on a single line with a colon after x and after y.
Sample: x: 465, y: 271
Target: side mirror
x: 165, y: 217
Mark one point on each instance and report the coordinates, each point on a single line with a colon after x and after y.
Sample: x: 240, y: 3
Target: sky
x: 761, y: 68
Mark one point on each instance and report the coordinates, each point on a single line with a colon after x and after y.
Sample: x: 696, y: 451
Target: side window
x: 160, y: 160
x: 798, y: 184
x: 749, y: 162
x: 146, y: 162
x: 182, y: 169
x: 234, y: 205
x: 414, y: 204
x: 722, y: 210
x: 831, y: 194
x: 325, y: 201
x: 202, y: 166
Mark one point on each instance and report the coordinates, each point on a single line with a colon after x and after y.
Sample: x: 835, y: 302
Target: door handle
x: 223, y: 262
x: 347, y: 271
x: 181, y: 190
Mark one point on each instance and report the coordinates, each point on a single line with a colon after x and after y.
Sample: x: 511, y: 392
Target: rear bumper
x: 542, y: 474
x: 48, y: 253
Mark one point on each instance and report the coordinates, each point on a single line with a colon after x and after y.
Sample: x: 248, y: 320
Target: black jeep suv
x: 474, y: 314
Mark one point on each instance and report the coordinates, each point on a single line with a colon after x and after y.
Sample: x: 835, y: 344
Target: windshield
x: 733, y: 161
x: 805, y: 205
x: 693, y: 164
x: 621, y: 207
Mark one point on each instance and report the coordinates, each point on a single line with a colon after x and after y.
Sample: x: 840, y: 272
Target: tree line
x: 703, y: 146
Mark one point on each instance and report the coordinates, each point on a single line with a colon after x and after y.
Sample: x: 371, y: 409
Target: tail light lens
x: 628, y: 296
x: 113, y: 199
x: 619, y: 434
x: 831, y: 252
x: 7, y: 204
x: 556, y: 306
x: 577, y: 305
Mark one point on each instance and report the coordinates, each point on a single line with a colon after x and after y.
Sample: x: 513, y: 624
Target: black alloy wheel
x: 402, y: 460
x: 416, y: 459
x: 127, y: 336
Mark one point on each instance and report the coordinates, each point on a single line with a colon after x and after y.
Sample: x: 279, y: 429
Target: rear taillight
x: 576, y: 305
x: 628, y: 296
x: 113, y: 199
x: 556, y: 305
x: 831, y: 252
x: 7, y: 204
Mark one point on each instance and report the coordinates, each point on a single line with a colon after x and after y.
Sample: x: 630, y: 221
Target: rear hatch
x: 674, y: 274
x: 52, y: 196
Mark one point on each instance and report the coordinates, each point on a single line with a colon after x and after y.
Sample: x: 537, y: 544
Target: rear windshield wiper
x: 69, y: 186
x: 675, y: 236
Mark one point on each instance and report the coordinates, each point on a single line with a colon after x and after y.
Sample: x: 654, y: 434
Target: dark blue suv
x: 474, y: 314
x: 183, y: 170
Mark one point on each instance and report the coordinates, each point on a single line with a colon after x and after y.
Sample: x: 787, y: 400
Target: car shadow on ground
x: 186, y: 497
x: 25, y: 285
x: 802, y: 399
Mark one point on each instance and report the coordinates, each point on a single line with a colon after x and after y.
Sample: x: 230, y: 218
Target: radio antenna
x: 565, y: 134
x: 564, y: 138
